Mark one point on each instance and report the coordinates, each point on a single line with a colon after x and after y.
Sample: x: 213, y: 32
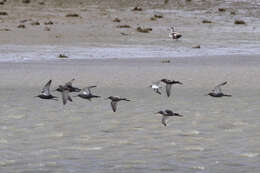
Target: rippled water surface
x: 215, y: 135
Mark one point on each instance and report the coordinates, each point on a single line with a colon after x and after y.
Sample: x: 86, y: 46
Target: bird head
x: 160, y: 112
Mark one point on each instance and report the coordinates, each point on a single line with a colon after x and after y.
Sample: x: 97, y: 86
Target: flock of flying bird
x: 86, y: 93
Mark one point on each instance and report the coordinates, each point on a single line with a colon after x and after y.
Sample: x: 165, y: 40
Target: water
x: 215, y: 135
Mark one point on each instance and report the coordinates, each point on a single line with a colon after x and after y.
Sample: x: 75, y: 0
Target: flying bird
x: 169, y: 84
x: 217, y: 92
x: 69, y: 87
x: 156, y: 87
x: 115, y: 100
x: 86, y: 93
x: 174, y: 35
x: 45, y: 93
x: 166, y: 114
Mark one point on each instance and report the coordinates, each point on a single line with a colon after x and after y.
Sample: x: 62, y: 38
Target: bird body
x: 156, y: 87
x: 169, y: 84
x: 115, y: 100
x: 69, y: 87
x: 45, y: 93
x: 86, y: 93
x: 217, y: 92
x: 174, y: 35
x: 166, y: 114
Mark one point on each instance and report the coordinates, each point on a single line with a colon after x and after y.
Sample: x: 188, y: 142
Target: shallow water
x: 215, y: 135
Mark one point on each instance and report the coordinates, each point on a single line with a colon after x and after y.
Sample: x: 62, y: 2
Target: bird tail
x: 227, y: 95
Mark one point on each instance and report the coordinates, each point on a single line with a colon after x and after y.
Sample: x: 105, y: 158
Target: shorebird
x: 156, y: 87
x: 45, y: 93
x: 114, y: 100
x: 166, y: 114
x: 86, y: 93
x: 69, y: 87
x: 65, y: 94
x: 174, y: 35
x: 217, y: 92
x: 169, y: 84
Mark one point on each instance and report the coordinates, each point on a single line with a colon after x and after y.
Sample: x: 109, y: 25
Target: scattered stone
x: 221, y: 9
x: 196, y: 47
x: 153, y: 18
x: 47, y: 29
x: 26, y: 1
x: 116, y: 20
x: 165, y: 61
x: 137, y: 9
x: 123, y: 26
x: 35, y: 23
x: 21, y: 26
x: 158, y: 16
x: 232, y: 13
x: 72, y: 15
x: 143, y: 30
x: 124, y: 34
x: 5, y: 29
x: 240, y: 22
x: 42, y: 3
x: 23, y: 21
x: 48, y: 23
x: 206, y: 21
x: 62, y: 56
x: 3, y: 13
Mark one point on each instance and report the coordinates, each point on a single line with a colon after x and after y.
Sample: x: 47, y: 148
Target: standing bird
x: 217, y: 92
x: 86, y: 93
x: 45, y: 93
x: 174, y: 35
x: 156, y: 87
x: 69, y: 87
x: 169, y: 84
x: 166, y: 114
x: 65, y: 94
x: 114, y: 100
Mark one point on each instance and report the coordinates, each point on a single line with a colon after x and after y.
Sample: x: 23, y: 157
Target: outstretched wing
x: 46, y: 88
x: 217, y: 89
x: 157, y: 83
x: 168, y: 89
x: 114, y: 105
x: 65, y: 96
x: 69, y: 84
x: 164, y: 120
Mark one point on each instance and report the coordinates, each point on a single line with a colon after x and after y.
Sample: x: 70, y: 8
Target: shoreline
x: 20, y: 53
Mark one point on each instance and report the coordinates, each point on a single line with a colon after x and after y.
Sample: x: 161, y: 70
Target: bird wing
x: 217, y: 88
x: 114, y: 105
x: 168, y: 89
x: 65, y: 96
x: 46, y: 88
x: 157, y: 83
x: 164, y: 120
x: 69, y: 84
x: 87, y: 90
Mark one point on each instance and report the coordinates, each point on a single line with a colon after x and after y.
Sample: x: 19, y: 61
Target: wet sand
x: 215, y: 135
